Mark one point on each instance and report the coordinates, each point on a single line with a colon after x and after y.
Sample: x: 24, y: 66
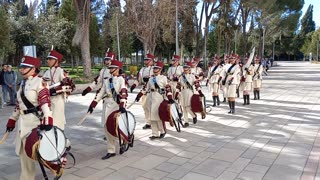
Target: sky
x: 316, y: 9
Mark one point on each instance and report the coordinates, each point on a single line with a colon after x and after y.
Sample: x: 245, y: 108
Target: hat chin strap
x: 27, y: 72
x: 56, y: 61
x: 112, y: 72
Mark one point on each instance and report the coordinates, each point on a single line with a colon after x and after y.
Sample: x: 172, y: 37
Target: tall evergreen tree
x: 307, y: 23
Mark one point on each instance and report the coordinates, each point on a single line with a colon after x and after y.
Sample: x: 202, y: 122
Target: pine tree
x: 307, y: 23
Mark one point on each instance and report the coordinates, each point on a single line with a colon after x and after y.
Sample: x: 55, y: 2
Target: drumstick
x: 131, y: 104
x: 84, y: 118
x: 4, y: 137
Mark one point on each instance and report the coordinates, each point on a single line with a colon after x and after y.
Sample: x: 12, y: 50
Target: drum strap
x: 187, y: 82
x: 213, y: 70
x: 257, y: 71
x: 114, y: 93
x: 28, y: 104
x: 45, y: 176
x: 229, y: 70
x: 155, y: 83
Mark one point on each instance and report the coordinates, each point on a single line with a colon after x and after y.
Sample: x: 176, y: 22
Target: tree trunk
x: 81, y: 37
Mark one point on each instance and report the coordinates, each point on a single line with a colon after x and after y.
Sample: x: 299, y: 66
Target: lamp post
x: 118, y: 38
x: 263, y: 34
x: 317, y: 50
x: 177, y: 42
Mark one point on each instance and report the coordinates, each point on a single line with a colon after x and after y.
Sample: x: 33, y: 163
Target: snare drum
x: 49, y: 148
x: 52, y: 144
x: 126, y: 124
x: 175, y: 115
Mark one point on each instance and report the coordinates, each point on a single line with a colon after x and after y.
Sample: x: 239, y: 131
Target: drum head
x: 127, y: 123
x: 52, y: 145
x: 175, y: 112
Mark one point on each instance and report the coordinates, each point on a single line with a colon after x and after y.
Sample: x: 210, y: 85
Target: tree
x: 52, y: 31
x: 307, y: 23
x: 6, y: 45
x: 81, y: 37
x: 143, y: 18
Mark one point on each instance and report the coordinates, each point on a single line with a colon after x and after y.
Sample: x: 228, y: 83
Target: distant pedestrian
x: 10, y: 79
x: 3, y: 84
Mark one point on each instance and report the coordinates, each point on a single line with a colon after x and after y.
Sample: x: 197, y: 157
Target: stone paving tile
x: 182, y: 171
x: 257, y: 168
x: 101, y: 174
x: 199, y: 158
x: 125, y: 173
x: 85, y: 172
x: 227, y: 175
x: 229, y: 155
x: 250, y: 153
x: 239, y: 165
x: 192, y: 176
x: 296, y: 161
x: 155, y: 174
x: 167, y: 167
x: 148, y: 162
x: 246, y: 175
x: 187, y: 154
x: 262, y: 161
x: 212, y: 167
x: 282, y: 172
x: 100, y: 164
x: 178, y: 160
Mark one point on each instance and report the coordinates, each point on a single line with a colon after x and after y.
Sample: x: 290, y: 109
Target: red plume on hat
x: 55, y: 55
x: 149, y: 57
x: 158, y: 64
x: 176, y: 57
x: 28, y: 61
x: 196, y: 60
x: 110, y: 56
x: 187, y: 64
x: 116, y: 64
x: 235, y: 56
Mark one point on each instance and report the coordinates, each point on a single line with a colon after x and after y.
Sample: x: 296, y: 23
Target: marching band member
x: 187, y: 85
x: 115, y: 95
x: 246, y: 82
x: 213, y: 80
x: 159, y: 90
x: 257, y: 78
x: 104, y: 73
x: 33, y: 98
x: 174, y: 72
x: 195, y: 70
x: 99, y: 80
x: 54, y: 76
x: 142, y: 78
x: 229, y: 77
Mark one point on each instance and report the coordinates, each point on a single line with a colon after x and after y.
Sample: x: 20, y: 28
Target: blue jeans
x: 1, y: 99
x: 4, y: 93
x: 12, y: 94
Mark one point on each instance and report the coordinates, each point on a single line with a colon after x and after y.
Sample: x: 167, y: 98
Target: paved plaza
x: 274, y: 138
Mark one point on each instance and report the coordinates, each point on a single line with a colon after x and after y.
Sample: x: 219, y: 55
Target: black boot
x: 218, y: 100
x: 244, y: 99
x: 248, y: 99
x: 214, y: 101
x: 255, y: 94
x: 238, y: 93
x: 224, y: 99
x: 230, y: 106
x: 258, y: 94
x: 233, y: 104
